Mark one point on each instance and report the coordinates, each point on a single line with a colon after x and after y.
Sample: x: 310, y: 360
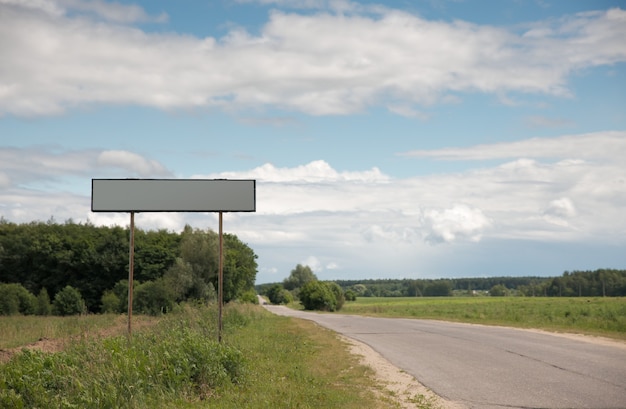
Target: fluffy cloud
x: 559, y: 210
x: 313, y: 172
x: 324, y: 63
x: 458, y: 222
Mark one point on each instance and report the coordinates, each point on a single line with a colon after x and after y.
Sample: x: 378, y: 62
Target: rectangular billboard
x: 173, y: 195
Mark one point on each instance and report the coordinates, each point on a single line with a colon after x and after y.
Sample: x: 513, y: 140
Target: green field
x: 594, y: 316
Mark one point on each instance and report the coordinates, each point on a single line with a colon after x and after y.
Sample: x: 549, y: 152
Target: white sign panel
x: 173, y: 195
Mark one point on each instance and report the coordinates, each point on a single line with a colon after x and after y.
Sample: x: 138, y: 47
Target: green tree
x: 298, y: 277
x: 240, y: 268
x: 155, y: 253
x: 68, y: 301
x: 180, y: 278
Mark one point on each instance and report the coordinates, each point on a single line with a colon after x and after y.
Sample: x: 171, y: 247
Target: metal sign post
x: 131, y: 268
x: 173, y: 195
x: 220, y: 284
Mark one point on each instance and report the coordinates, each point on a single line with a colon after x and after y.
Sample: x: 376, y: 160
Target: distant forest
x: 598, y: 283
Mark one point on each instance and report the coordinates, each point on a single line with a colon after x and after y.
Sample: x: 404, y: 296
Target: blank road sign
x: 173, y: 195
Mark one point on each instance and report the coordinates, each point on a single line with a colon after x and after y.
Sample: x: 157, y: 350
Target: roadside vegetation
x: 264, y: 361
x: 76, y: 268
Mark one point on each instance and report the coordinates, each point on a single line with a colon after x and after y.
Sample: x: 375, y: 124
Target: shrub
x: 317, y: 295
x: 15, y: 299
x: 498, y: 290
x: 350, y: 295
x: 277, y: 294
x: 153, y: 298
x: 68, y: 301
x: 338, y: 292
x: 9, y: 302
x: 249, y: 297
x: 110, y: 303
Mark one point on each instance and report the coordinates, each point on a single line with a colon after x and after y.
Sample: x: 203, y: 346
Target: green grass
x: 264, y: 361
x: 18, y: 330
x: 594, y: 316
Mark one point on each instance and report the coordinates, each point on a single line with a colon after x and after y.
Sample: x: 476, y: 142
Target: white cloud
x: 319, y: 64
x: 132, y: 162
x: 559, y: 211
x: 112, y: 11
x: 115, y: 12
x: 50, y: 168
x: 5, y: 180
x: 313, y: 172
x: 459, y: 222
x: 599, y: 145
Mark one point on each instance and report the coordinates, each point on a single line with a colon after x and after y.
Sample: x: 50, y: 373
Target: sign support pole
x: 131, y: 267
x: 220, y: 282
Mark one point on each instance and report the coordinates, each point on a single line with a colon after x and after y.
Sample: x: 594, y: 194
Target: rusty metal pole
x: 131, y: 267
x: 220, y: 283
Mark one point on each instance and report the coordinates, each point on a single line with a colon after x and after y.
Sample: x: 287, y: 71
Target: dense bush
x: 350, y: 295
x: 68, y: 301
x: 277, y: 294
x: 249, y: 297
x: 319, y: 295
x: 15, y: 299
x: 110, y: 303
x: 153, y: 298
x: 498, y: 290
x: 340, y: 299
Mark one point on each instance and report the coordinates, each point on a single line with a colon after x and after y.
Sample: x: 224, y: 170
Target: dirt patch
x: 405, y: 389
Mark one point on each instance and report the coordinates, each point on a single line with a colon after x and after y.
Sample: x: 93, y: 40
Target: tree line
x: 597, y: 283
x: 169, y: 267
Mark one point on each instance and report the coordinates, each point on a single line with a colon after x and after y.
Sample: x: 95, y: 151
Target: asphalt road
x: 491, y: 367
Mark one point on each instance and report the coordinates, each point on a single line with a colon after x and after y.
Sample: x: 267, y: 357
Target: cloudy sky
x: 389, y: 139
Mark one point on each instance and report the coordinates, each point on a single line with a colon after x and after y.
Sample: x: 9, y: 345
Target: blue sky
x: 400, y: 139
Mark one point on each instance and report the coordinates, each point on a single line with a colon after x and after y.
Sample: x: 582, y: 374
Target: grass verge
x: 593, y: 316
x: 265, y: 361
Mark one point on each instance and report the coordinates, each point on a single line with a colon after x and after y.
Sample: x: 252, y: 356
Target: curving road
x: 491, y: 367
